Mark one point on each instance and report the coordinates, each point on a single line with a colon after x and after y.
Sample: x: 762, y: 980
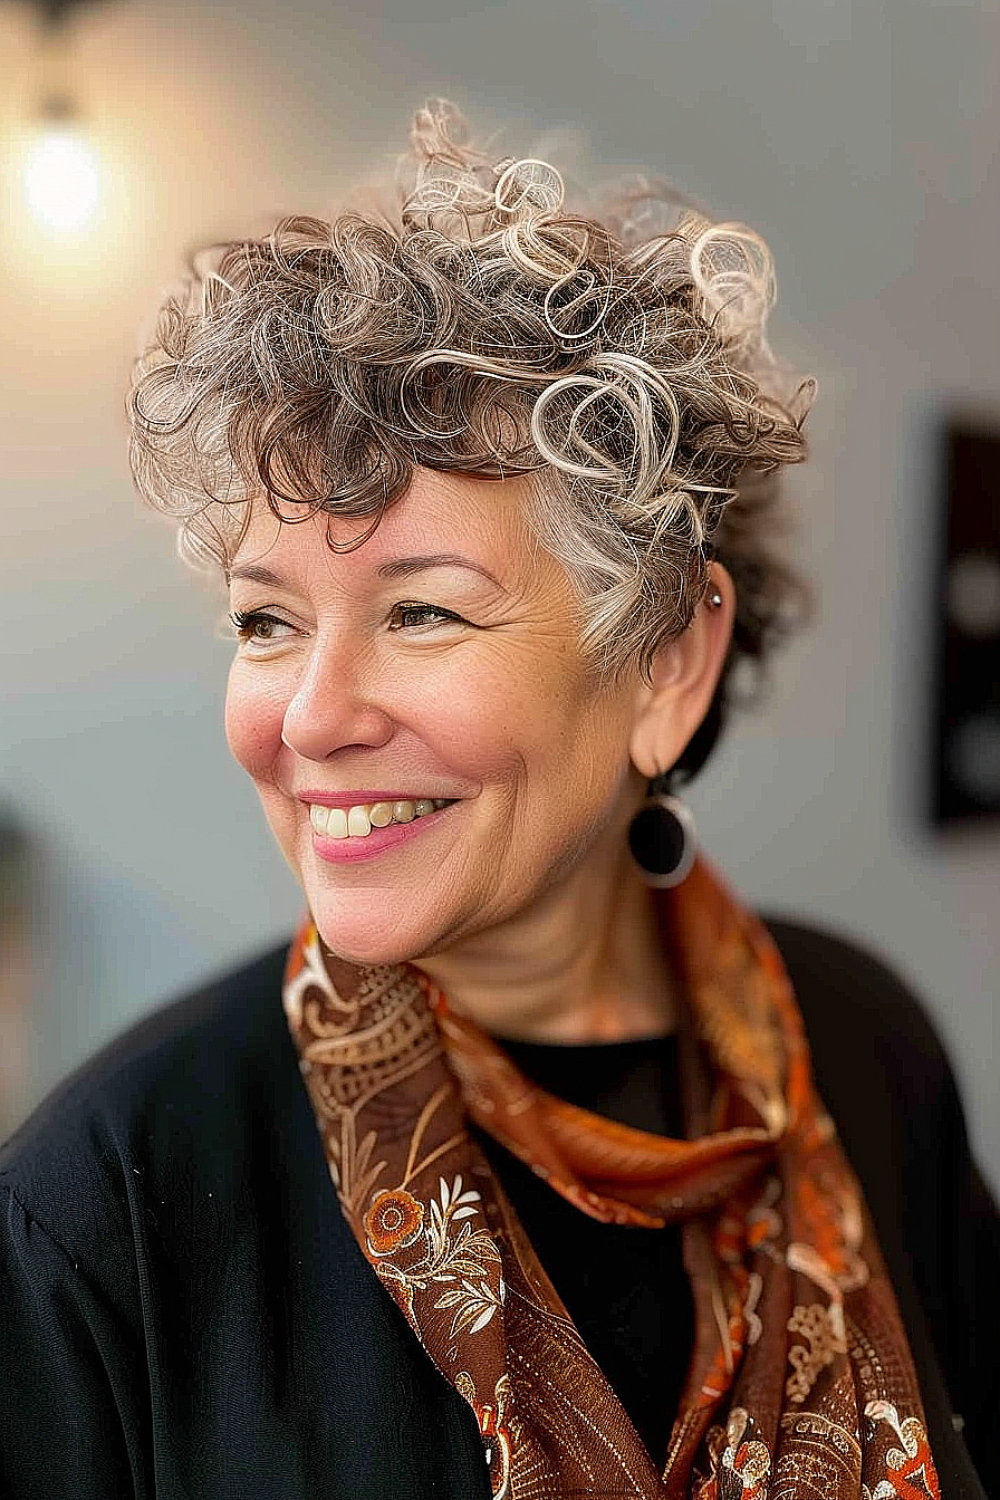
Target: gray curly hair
x: 618, y: 356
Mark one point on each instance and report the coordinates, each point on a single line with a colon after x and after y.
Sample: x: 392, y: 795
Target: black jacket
x: 186, y: 1315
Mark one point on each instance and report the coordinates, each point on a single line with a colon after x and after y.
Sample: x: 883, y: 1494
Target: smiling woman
x: 476, y: 695
x: 535, y: 1164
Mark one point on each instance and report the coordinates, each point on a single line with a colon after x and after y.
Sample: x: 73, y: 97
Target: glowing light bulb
x: 61, y: 180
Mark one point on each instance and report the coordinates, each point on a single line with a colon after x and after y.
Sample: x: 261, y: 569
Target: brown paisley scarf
x: 800, y: 1382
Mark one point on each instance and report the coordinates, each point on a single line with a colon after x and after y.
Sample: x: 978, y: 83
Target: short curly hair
x: 617, y: 355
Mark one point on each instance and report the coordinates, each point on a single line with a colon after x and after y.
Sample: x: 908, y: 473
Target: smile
x: 358, y: 821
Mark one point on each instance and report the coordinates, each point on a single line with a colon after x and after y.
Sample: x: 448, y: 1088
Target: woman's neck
x: 584, y: 963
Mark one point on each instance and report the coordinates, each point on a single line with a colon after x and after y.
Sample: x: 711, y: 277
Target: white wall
x: 861, y: 139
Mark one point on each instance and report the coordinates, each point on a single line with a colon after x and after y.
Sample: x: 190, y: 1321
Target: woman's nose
x: 332, y: 707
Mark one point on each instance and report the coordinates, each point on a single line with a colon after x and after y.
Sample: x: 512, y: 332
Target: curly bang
x: 618, y: 356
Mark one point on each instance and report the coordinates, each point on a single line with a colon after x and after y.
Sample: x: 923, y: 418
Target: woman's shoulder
x: 878, y: 1061
x: 840, y: 981
x: 877, y: 1055
x: 172, y: 1089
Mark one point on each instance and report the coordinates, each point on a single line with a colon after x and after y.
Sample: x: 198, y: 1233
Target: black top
x: 625, y: 1287
x: 186, y: 1315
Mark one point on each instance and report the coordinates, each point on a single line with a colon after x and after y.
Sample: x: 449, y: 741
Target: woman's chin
x: 372, y: 937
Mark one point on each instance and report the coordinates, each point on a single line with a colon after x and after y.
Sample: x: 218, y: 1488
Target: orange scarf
x: 800, y: 1384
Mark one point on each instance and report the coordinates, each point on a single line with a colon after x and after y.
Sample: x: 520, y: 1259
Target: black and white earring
x: 662, y: 836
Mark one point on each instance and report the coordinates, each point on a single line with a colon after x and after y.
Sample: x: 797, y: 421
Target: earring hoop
x: 662, y: 836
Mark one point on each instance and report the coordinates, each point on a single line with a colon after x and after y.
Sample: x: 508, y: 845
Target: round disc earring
x: 662, y: 836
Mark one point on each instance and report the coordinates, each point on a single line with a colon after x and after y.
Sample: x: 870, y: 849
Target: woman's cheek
x: 253, y: 723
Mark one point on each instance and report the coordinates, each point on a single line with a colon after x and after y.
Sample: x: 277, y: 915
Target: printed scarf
x: 800, y: 1382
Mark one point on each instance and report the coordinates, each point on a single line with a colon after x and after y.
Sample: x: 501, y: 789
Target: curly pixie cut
x: 616, y: 355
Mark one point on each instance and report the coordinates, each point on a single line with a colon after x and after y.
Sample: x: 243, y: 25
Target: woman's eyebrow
x: 402, y: 567
x: 254, y: 574
x: 395, y: 567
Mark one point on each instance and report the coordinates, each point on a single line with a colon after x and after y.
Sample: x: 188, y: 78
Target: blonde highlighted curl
x: 619, y: 356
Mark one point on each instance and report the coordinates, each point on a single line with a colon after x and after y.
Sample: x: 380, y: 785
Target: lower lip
x: 354, y: 848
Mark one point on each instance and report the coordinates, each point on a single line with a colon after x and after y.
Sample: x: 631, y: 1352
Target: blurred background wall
x: 860, y: 138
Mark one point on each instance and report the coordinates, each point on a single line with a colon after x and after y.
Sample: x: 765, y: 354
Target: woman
x: 526, y: 1188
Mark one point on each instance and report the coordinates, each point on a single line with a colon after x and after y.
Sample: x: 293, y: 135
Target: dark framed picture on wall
x: 965, y: 726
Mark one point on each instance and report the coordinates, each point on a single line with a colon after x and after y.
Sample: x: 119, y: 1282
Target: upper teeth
x: 342, y: 822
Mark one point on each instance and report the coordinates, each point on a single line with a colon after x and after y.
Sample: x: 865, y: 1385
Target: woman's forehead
x: 479, y: 522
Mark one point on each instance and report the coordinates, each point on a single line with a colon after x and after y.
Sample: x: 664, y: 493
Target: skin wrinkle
x: 523, y: 904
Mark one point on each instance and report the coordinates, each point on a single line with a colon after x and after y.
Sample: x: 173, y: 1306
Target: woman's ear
x: 685, y: 673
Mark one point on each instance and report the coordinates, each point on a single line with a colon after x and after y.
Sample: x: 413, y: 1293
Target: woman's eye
x: 412, y: 616
x: 256, y: 627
